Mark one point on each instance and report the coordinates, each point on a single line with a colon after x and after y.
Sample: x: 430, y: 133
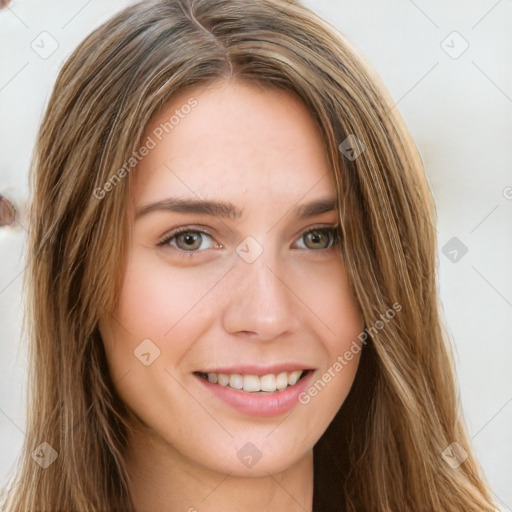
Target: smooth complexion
x: 205, y: 307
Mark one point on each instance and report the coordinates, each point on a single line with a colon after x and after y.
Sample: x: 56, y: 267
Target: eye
x: 194, y: 240
x: 186, y: 239
x: 319, y: 238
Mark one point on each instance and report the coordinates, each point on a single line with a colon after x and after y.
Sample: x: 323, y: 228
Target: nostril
x: 8, y: 212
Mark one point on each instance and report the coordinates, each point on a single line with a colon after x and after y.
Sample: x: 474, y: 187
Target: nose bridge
x: 261, y: 301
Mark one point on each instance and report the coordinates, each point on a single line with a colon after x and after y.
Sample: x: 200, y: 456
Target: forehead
x: 233, y: 138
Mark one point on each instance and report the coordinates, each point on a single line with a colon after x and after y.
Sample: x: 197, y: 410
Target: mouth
x: 268, y: 384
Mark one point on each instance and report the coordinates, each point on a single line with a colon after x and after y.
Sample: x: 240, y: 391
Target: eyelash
x: 187, y: 229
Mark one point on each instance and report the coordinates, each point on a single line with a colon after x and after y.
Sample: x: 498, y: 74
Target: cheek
x: 156, y: 322
x: 161, y: 304
x: 329, y: 389
x: 328, y: 296
x: 333, y: 302
x: 156, y: 301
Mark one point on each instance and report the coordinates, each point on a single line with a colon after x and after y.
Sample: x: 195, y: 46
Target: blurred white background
x: 448, y: 66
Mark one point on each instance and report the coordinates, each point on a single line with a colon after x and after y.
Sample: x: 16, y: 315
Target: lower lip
x: 253, y: 404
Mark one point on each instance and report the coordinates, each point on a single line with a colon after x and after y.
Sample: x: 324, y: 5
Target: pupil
x: 191, y: 240
x: 316, y: 236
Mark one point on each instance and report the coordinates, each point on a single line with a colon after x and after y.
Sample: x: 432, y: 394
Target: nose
x: 262, y: 302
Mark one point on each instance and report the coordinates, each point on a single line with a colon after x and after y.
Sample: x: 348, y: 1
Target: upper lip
x: 258, y: 370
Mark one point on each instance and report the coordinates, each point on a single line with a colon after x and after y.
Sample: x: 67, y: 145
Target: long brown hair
x: 383, y: 451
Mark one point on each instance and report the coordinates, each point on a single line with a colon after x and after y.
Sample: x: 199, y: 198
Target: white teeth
x: 294, y: 377
x: 236, y: 381
x: 251, y: 383
x: 268, y: 383
x: 282, y: 381
x: 222, y: 378
x: 254, y: 384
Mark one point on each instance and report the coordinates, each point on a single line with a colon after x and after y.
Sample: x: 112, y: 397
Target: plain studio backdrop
x: 448, y: 68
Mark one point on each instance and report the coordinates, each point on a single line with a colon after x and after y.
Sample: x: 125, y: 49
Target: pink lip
x: 253, y: 404
x: 258, y: 370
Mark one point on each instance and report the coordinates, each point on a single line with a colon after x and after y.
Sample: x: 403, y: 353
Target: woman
x: 232, y: 292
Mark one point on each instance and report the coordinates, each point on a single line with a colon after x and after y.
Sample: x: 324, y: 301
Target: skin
x: 261, y: 150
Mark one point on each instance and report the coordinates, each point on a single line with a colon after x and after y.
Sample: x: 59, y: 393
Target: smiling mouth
x: 266, y: 384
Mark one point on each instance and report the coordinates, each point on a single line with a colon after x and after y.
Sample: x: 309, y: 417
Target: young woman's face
x: 251, y: 292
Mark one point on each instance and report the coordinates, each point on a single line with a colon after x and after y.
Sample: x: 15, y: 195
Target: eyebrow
x: 228, y: 209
